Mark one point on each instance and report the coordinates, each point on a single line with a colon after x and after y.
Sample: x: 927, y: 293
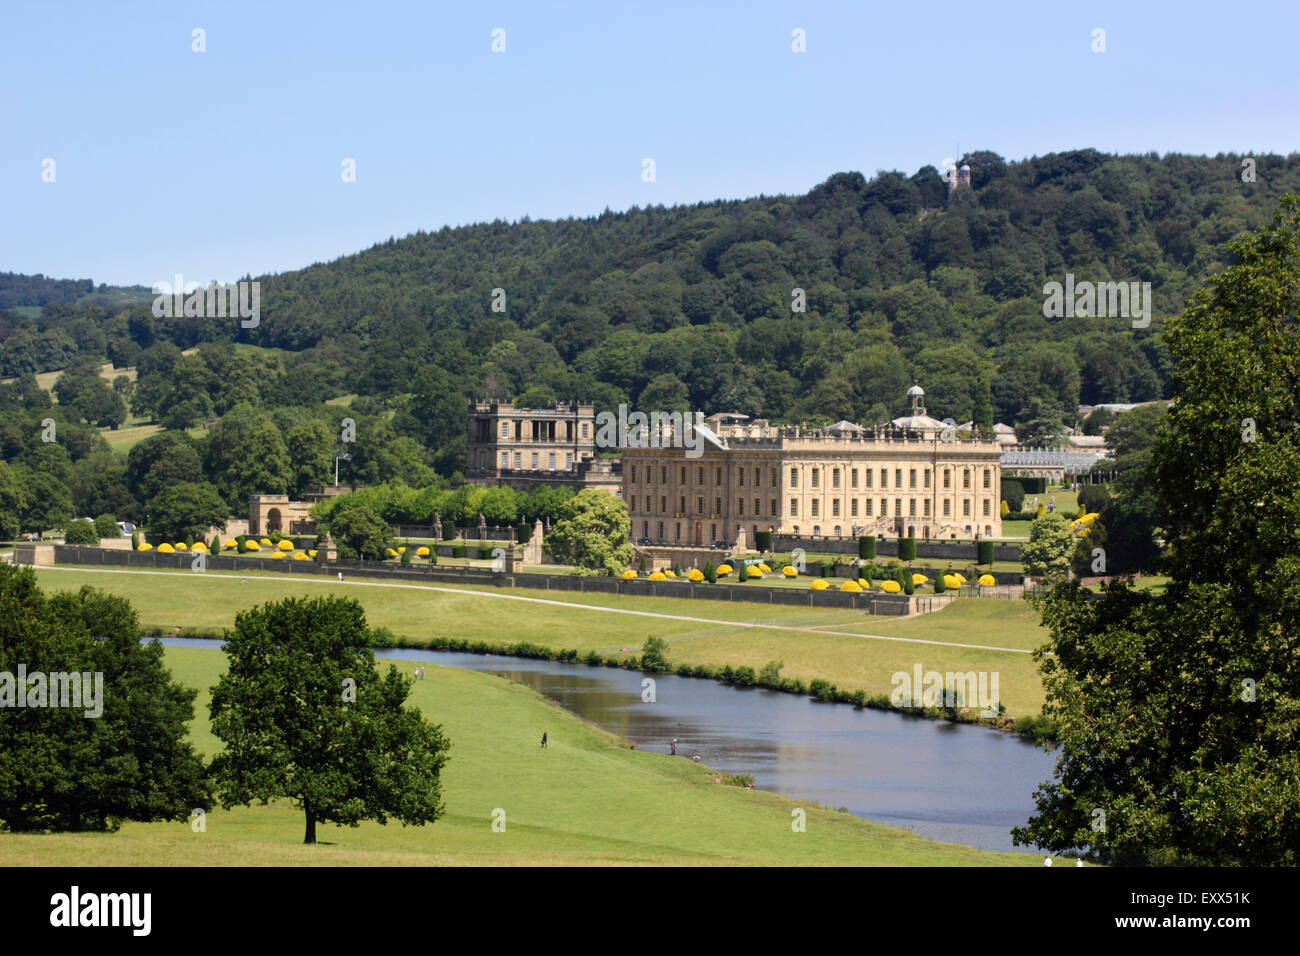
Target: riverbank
x: 827, y: 649
x: 587, y: 799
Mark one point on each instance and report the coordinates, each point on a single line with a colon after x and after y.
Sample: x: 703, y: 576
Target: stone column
x: 514, y: 559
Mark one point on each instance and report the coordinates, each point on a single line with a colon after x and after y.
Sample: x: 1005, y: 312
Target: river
x: 958, y: 783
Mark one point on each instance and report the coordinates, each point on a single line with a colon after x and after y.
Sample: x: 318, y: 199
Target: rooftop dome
x: 915, y: 390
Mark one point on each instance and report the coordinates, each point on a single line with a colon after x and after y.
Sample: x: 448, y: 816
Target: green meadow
x: 697, y: 631
x: 588, y: 799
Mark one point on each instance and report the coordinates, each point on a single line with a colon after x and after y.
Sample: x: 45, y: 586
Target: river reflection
x: 952, y: 782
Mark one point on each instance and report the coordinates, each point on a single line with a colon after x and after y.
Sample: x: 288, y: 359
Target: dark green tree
x: 13, y: 503
x: 106, y: 527
x: 305, y: 714
x: 122, y: 756
x: 359, y: 532
x: 81, y: 532
x: 186, y: 511
x: 654, y: 655
x: 1177, y: 711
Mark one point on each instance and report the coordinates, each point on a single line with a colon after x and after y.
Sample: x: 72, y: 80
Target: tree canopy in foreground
x: 1179, y: 712
x: 115, y: 748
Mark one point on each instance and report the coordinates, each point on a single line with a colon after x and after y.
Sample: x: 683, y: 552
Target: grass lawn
x: 1016, y: 529
x: 107, y: 372
x: 587, y: 799
x: 708, y: 635
x: 128, y: 436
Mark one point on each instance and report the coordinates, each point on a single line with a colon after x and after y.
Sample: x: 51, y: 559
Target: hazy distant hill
x: 23, y: 291
x: 690, y: 306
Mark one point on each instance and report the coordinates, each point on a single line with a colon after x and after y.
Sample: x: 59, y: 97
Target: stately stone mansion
x: 912, y: 477
x: 523, y: 448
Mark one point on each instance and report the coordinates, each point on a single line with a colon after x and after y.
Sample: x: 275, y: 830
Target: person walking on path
x: 543, y: 740
x: 672, y: 746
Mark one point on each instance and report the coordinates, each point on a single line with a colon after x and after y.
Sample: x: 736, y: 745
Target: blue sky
x: 228, y: 162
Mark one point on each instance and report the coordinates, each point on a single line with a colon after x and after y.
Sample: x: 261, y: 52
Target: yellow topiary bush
x: 390, y: 552
x: 422, y: 552
x: 862, y: 583
x: 753, y: 571
x: 266, y: 543
x: 853, y: 587
x: 166, y: 548
x: 658, y: 576
x: 987, y: 580
x: 144, y: 546
x: 669, y: 573
x: 695, y: 574
x: 285, y: 544
x: 312, y: 553
x: 252, y: 545
x: 724, y: 570
x: 790, y: 571
x: 299, y: 556
x: 919, y: 579
x: 891, y: 586
x: 628, y: 575
x: 819, y: 585
x: 278, y: 554
x: 952, y: 581
x: 232, y: 543
x: 764, y: 568
x: 180, y: 546
x: 200, y: 547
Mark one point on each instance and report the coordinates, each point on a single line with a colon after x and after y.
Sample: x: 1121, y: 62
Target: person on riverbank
x: 543, y: 740
x: 672, y: 746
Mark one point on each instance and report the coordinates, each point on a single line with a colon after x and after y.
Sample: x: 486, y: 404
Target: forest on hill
x: 688, y: 307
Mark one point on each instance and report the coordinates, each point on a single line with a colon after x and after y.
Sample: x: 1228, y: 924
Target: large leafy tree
x: 358, y: 531
x: 63, y: 768
x: 592, y: 533
x: 160, y: 461
x: 1178, y: 712
x: 1051, y: 542
x: 306, y: 715
x: 246, y: 456
x: 98, y: 486
x: 13, y: 503
x: 184, y: 510
x: 49, y: 503
x: 311, y: 446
